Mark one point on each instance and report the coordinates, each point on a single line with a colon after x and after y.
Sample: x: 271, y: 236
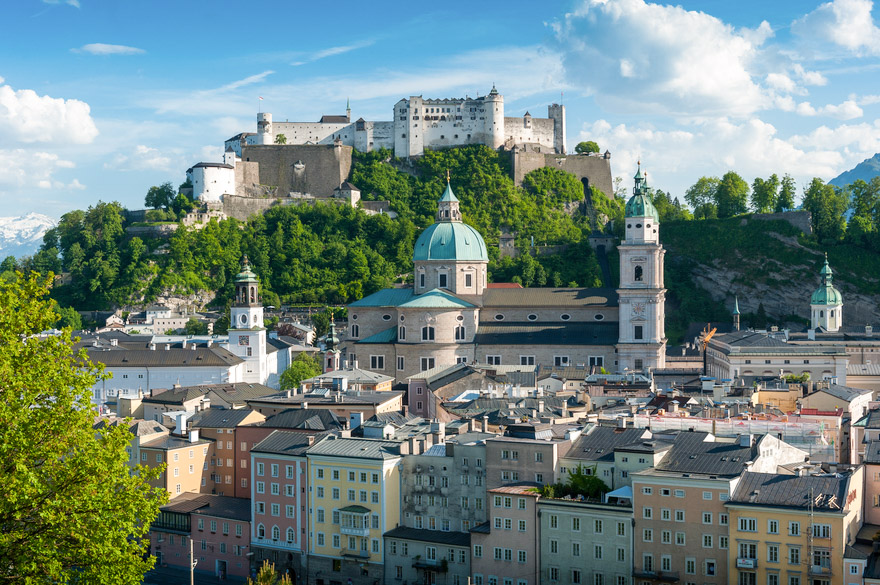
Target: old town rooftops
x: 826, y: 492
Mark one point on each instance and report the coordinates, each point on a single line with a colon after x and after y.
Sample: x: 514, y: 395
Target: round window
x: 386, y: 317
x: 354, y: 317
x: 565, y: 316
x: 638, y: 225
x: 629, y: 225
x: 647, y: 225
x: 599, y: 317
x: 402, y: 318
x: 532, y: 317
x: 499, y: 317
x: 459, y: 318
x: 243, y: 319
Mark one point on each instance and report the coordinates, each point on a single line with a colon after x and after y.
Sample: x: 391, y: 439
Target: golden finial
x: 447, y: 175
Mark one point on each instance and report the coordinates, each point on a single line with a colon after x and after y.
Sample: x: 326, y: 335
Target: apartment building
x: 512, y: 460
x: 223, y: 427
x: 279, y: 504
x: 354, y: 499
x: 680, y: 521
x: 794, y: 529
x: 185, y: 461
x: 586, y: 542
x: 595, y: 451
x: 504, y: 550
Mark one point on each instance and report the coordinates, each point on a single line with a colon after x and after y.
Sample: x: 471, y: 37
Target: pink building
x: 279, y: 476
x: 219, y: 527
x: 505, y: 549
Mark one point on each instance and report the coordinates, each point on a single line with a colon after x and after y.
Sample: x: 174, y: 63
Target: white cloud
x: 105, y: 49
x: 27, y: 117
x: 74, y: 3
x: 675, y: 159
x: 20, y: 168
x: 845, y: 23
x: 146, y: 158
x: 332, y: 51
x: 639, y: 57
x: 847, y: 110
x: 809, y: 77
x: 781, y: 82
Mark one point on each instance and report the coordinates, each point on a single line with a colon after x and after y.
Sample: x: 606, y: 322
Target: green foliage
x: 321, y: 323
x: 195, y: 327
x: 267, y: 576
x: 72, y: 508
x: 765, y: 194
x: 670, y: 209
x: 160, y: 197
x: 580, y: 483
x: 701, y: 196
x: 827, y: 205
x: 303, y: 367
x: 732, y: 195
x: 68, y: 317
x: 785, y: 198
x: 280, y: 139
x: 586, y: 147
x: 798, y: 379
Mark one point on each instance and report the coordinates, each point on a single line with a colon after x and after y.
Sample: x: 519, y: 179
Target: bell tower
x: 826, y: 304
x: 247, y: 336
x: 641, y: 339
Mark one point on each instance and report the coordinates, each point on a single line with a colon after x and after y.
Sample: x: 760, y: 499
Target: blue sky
x: 101, y: 99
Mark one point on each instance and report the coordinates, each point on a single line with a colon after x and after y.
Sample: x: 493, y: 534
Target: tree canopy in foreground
x: 72, y: 510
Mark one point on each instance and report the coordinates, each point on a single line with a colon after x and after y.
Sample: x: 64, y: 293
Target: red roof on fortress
x: 503, y: 285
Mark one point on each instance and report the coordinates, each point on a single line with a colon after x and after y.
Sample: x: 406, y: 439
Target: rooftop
x: 496, y: 298
x: 599, y: 442
x: 211, y: 505
x: 285, y: 443
x: 432, y: 536
x: 825, y: 492
x: 333, y: 446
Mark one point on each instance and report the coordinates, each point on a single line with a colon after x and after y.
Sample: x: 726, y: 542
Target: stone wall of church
x: 576, y: 355
x: 457, y: 279
x: 544, y: 315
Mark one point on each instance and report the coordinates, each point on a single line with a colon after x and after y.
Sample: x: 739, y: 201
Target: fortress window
x: 638, y: 225
x: 638, y: 332
x: 402, y: 318
x: 629, y: 225
x: 499, y: 317
x: 459, y: 333
x: 468, y: 280
x: 355, y: 330
x: 647, y: 225
x: 459, y: 318
x: 639, y: 364
x: 354, y: 317
x: 386, y: 317
x: 422, y: 280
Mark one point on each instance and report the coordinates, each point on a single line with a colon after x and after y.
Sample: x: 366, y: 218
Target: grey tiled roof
x: 872, y: 452
x: 284, y: 443
x: 358, y: 448
x: 318, y: 419
x: 169, y: 442
x: 219, y: 418
x: 826, y: 492
x: 693, y: 453
x: 211, y: 505
x: 843, y: 392
x: 563, y: 333
x: 120, y: 357
x: 599, y: 443
x: 432, y: 536
x: 549, y: 297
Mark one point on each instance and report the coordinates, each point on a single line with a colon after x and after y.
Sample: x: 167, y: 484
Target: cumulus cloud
x: 143, y: 158
x: 20, y: 168
x: 848, y: 110
x: 640, y: 57
x: 105, y: 49
x: 847, y: 24
x: 27, y: 117
x: 675, y: 158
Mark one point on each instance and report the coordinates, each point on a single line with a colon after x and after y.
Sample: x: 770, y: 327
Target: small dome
x: 450, y: 241
x: 640, y: 205
x: 826, y: 294
x: 246, y: 274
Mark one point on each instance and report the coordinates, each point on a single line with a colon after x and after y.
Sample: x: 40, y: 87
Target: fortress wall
x: 799, y: 219
x: 313, y: 132
x: 539, y: 130
x: 596, y: 169
x: 323, y: 167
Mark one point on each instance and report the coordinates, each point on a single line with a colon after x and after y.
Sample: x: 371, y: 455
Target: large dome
x: 450, y: 241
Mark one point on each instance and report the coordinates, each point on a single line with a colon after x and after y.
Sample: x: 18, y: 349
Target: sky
x: 101, y: 99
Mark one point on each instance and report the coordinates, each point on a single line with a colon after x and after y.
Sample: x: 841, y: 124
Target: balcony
x: 355, y: 521
x: 665, y: 576
x: 746, y: 563
x: 354, y: 554
x: 440, y: 566
x: 820, y: 570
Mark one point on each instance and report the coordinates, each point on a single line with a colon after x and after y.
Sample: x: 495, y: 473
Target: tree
x: 73, y: 510
x: 195, y: 327
x: 321, y: 323
x: 280, y: 139
x: 732, y: 195
x: 702, y: 197
x: 785, y: 199
x: 267, y: 576
x: 586, y: 147
x: 160, y: 197
x: 765, y: 194
x: 304, y: 366
x: 827, y: 206
x: 68, y: 318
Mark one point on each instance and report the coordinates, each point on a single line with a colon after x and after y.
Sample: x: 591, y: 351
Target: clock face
x: 639, y: 308
x: 244, y: 340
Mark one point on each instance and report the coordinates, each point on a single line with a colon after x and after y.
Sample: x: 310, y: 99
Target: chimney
x: 167, y: 346
x: 438, y: 430
x: 541, y: 406
x: 152, y: 347
x: 114, y: 342
x: 869, y: 330
x: 305, y: 405
x: 485, y: 427
x: 745, y: 440
x: 534, y: 413
x: 194, y: 436
x: 811, y: 334
x: 184, y: 344
x: 180, y: 423
x: 356, y: 419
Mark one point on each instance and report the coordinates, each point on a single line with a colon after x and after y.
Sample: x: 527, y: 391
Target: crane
x: 704, y: 338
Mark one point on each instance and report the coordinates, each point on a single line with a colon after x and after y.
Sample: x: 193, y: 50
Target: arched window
x: 821, y: 314
x: 355, y: 331
x: 637, y: 275
x: 427, y: 334
x: 459, y: 333
x: 422, y: 280
x: 253, y: 294
x: 831, y: 313
x: 401, y: 333
x: 290, y: 535
x: 261, y: 531
x: 276, y: 533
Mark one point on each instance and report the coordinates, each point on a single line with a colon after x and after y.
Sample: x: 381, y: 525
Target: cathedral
x: 451, y: 314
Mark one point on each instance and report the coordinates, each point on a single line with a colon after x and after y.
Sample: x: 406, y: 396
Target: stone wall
x: 242, y: 208
x: 313, y: 169
x: 596, y: 169
x: 799, y: 219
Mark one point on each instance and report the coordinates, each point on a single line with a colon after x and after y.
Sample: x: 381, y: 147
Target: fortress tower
x: 641, y: 339
x: 264, y: 128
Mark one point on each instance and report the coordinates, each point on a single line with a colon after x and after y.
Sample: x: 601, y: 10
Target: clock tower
x: 247, y: 336
x: 642, y: 339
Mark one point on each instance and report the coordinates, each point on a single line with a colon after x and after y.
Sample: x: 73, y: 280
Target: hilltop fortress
x: 294, y: 162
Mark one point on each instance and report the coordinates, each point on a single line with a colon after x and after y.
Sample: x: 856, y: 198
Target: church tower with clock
x: 641, y: 340
x: 247, y: 336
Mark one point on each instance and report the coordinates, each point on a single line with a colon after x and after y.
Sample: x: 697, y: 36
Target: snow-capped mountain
x: 23, y: 235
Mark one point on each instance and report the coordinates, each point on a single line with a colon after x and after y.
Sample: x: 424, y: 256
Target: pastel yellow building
x: 354, y: 499
x: 793, y: 529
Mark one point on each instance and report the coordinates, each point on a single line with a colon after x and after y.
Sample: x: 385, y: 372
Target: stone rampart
x: 313, y: 169
x: 592, y: 169
x: 799, y: 219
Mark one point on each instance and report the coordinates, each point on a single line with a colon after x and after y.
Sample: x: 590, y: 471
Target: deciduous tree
x: 585, y: 147
x: 72, y: 510
x: 732, y: 195
x: 302, y: 368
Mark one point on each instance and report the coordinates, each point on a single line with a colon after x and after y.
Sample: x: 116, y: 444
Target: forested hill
x: 332, y: 254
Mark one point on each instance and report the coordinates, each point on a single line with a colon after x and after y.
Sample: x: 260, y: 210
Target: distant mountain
x: 23, y: 235
x: 865, y: 170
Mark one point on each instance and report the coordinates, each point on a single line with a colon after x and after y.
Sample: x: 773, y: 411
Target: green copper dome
x: 640, y: 204
x: 826, y: 294
x: 450, y: 241
x: 246, y: 274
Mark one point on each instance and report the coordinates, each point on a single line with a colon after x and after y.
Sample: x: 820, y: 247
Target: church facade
x: 451, y: 314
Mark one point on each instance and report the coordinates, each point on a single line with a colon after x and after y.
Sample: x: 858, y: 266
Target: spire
x: 448, y: 206
x: 736, y: 306
x: 332, y: 340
